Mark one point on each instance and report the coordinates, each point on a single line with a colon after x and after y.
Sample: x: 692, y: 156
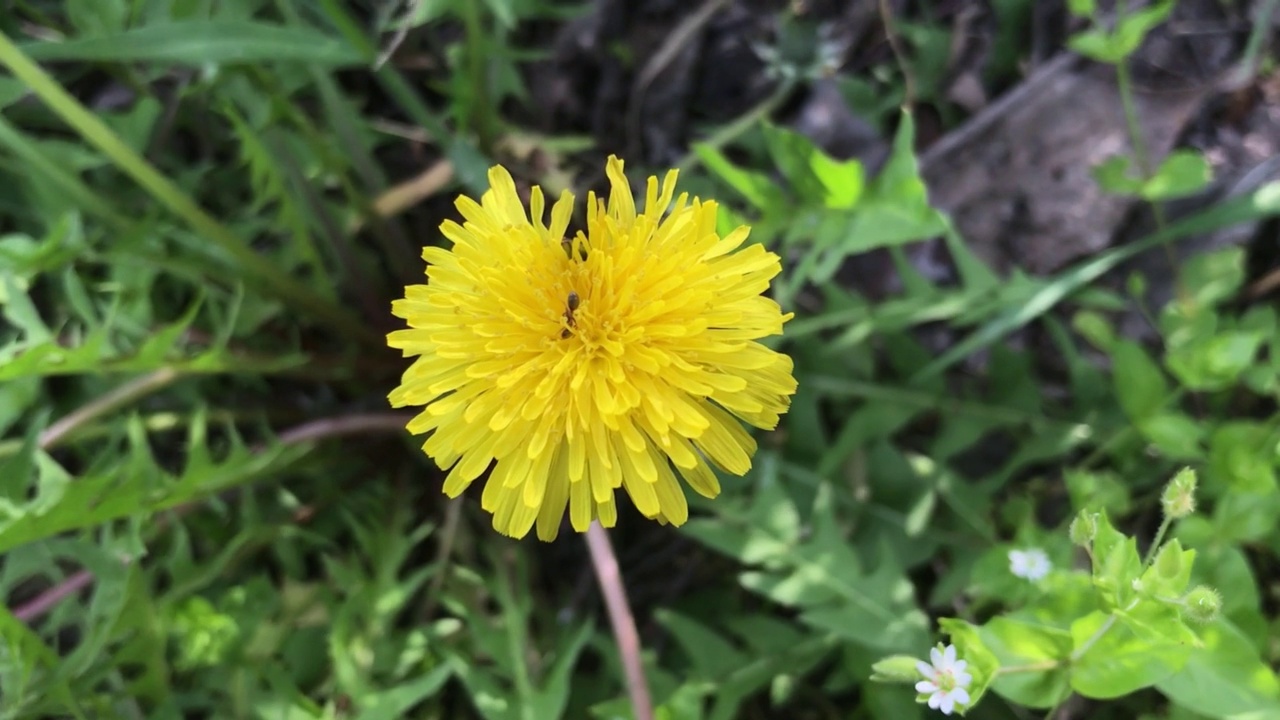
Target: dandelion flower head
x: 945, y: 681
x: 569, y: 367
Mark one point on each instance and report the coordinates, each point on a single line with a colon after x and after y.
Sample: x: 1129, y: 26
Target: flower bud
x: 1179, y: 497
x: 1202, y: 604
x: 1083, y: 529
x: 896, y: 669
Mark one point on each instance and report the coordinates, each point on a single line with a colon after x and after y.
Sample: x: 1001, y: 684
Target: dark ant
x: 572, y: 304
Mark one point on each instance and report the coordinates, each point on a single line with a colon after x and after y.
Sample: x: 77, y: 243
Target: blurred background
x: 1031, y: 247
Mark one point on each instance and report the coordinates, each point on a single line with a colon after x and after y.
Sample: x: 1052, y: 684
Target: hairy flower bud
x: 1202, y: 604
x: 1084, y: 528
x: 1179, y: 497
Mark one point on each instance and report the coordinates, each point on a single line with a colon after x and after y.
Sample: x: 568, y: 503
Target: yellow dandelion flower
x: 574, y: 367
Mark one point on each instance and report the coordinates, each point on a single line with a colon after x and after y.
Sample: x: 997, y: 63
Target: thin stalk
x: 605, y: 564
x: 1155, y: 544
x: 97, y: 133
x: 110, y: 402
x: 1124, y: 83
x: 730, y: 132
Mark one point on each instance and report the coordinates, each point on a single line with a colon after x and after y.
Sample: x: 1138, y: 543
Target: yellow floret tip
x: 568, y: 367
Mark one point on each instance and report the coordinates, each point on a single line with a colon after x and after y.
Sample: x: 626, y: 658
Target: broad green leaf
x: 1116, y: 563
x: 1225, y: 678
x: 754, y: 187
x: 1118, y: 176
x: 1033, y: 661
x: 842, y: 180
x: 1132, y: 28
x: 1242, y: 454
x: 201, y: 42
x: 1139, y: 384
x: 1170, y: 571
x: 981, y: 663
x: 1174, y: 434
x: 895, y: 209
x: 1182, y: 173
x: 1082, y: 8
x: 1112, y: 661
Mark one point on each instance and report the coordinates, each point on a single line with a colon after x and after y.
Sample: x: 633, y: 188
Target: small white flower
x: 1031, y: 564
x: 945, y: 680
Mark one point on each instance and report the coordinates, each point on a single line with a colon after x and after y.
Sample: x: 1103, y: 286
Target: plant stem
x: 1124, y: 83
x: 1106, y: 627
x: 97, y: 133
x: 605, y: 564
x: 114, y: 400
x: 1155, y: 543
x: 730, y: 131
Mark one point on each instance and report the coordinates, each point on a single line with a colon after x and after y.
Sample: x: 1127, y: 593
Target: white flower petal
x: 947, y: 704
x: 935, y: 700
x: 961, y: 696
x: 926, y: 670
x: 925, y: 687
x: 935, y: 657
x: 959, y: 666
x: 962, y: 679
x: 950, y: 655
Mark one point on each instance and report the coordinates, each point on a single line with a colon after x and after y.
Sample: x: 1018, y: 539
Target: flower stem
x: 605, y: 564
x: 1124, y: 83
x: 1155, y: 543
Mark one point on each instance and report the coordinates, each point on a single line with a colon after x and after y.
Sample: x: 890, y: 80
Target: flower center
x: 945, y: 680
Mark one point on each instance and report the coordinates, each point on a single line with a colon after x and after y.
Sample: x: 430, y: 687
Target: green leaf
x: 1096, y: 44
x: 1020, y: 645
x: 201, y: 42
x: 982, y: 664
x: 1132, y: 28
x: 819, y: 575
x: 1170, y: 571
x: 843, y: 181
x: 1118, y: 176
x: 896, y: 208
x: 136, y: 485
x: 1175, y: 434
x: 1182, y: 173
x: 1116, y: 563
x: 1112, y: 661
x: 1242, y: 454
x: 1140, y: 385
x: 1082, y: 8
x: 756, y: 188
x: 1225, y: 678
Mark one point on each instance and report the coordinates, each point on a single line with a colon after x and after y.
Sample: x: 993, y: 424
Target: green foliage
x: 198, y: 519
